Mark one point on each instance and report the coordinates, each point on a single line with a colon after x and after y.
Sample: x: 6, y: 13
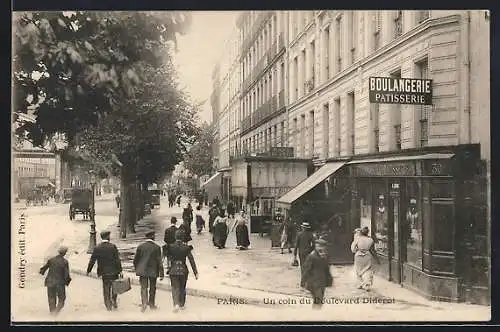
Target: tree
x: 149, y: 135
x: 199, y: 159
x: 72, y: 69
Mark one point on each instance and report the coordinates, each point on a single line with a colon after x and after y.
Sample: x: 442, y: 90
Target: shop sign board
x: 388, y: 90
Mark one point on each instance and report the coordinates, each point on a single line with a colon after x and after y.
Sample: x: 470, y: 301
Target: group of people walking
x: 223, y: 222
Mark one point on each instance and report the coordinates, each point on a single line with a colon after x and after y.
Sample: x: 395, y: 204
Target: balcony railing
x: 263, y: 113
x: 259, y: 68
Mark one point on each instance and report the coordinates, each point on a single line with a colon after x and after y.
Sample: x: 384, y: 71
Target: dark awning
x: 316, y: 178
x: 428, y: 156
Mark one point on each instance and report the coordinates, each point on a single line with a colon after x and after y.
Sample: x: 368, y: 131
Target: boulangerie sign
x: 413, y: 91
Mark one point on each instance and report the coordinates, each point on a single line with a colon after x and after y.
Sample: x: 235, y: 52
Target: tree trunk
x: 132, y: 208
x: 126, y: 205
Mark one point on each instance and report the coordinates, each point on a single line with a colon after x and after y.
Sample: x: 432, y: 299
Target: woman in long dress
x: 364, y: 255
x: 242, y: 238
x: 220, y: 231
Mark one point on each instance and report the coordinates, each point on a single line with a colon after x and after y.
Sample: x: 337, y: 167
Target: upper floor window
x: 377, y: 24
x: 422, y: 15
x: 398, y: 24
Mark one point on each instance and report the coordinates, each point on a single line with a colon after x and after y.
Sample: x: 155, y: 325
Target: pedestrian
x: 213, y: 212
x: 169, y: 239
x: 230, y: 209
x: 187, y: 214
x: 242, y: 237
x: 148, y: 267
x: 364, y: 254
x: 56, y: 280
x: 286, y: 236
x: 220, y: 231
x: 109, y: 268
x: 200, y: 222
x: 179, y: 201
x: 205, y: 197
x: 316, y: 273
x: 304, y: 244
x: 186, y: 228
x: 216, y: 201
x: 117, y: 200
x: 179, y: 271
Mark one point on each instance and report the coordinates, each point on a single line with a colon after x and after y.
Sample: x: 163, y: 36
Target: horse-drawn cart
x: 81, y: 203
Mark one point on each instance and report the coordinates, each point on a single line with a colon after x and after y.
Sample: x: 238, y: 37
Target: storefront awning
x: 316, y: 178
x: 212, y: 179
x: 428, y: 156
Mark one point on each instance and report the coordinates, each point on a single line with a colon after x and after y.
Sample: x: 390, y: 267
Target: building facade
x: 416, y: 173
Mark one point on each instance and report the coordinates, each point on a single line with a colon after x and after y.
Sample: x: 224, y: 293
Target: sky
x: 199, y: 51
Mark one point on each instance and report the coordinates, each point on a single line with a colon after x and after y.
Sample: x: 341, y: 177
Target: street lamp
x: 92, y: 239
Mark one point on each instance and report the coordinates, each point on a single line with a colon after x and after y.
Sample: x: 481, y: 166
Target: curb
x: 189, y: 291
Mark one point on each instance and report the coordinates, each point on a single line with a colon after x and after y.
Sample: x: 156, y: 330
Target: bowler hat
x: 105, y: 234
x: 305, y: 225
x: 150, y: 234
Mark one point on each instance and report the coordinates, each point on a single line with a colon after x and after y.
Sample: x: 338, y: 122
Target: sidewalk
x: 254, y: 275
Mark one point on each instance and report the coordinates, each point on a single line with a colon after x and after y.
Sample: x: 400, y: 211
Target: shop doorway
x: 397, y: 238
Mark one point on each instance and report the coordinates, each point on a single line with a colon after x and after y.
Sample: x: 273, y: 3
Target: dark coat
x: 147, y: 260
x: 108, y: 260
x: 58, y: 274
x: 200, y: 222
x: 304, y: 244
x: 316, y: 273
x: 242, y: 236
x: 177, y: 254
x: 187, y: 215
x: 170, y: 234
x: 187, y: 232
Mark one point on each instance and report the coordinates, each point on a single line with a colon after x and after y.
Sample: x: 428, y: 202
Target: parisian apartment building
x: 365, y: 118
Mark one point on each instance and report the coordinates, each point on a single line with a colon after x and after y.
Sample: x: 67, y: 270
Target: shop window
x: 381, y: 227
x: 365, y: 203
x: 443, y: 221
x: 413, y: 227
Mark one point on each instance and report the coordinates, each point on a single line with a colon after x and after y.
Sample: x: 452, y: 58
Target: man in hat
x: 109, y: 268
x: 148, y: 267
x: 304, y: 244
x: 57, y: 279
x: 316, y: 273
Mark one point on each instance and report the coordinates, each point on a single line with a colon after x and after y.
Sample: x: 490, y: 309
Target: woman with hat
x: 316, y: 273
x: 364, y: 255
x: 286, y: 230
x: 177, y: 254
x: 304, y: 244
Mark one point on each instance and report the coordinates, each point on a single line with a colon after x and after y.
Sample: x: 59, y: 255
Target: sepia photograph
x: 250, y: 166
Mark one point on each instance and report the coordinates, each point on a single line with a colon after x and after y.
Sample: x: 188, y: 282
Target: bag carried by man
x: 121, y: 285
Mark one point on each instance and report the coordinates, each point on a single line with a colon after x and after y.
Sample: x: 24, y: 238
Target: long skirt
x: 363, y: 268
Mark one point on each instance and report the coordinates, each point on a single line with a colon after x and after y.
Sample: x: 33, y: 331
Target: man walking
x: 316, y: 273
x: 109, y: 268
x: 148, y: 266
x: 57, y: 279
x: 304, y: 244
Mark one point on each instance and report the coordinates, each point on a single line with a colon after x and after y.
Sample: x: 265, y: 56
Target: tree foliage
x: 151, y: 131
x: 72, y: 69
x: 199, y: 159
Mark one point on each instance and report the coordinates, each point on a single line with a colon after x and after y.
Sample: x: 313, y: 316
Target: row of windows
x: 333, y: 48
x: 303, y: 126
x: 273, y: 136
x: 263, y: 43
x: 267, y: 87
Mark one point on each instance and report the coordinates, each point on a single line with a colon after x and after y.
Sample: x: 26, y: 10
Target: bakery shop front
x: 426, y: 211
